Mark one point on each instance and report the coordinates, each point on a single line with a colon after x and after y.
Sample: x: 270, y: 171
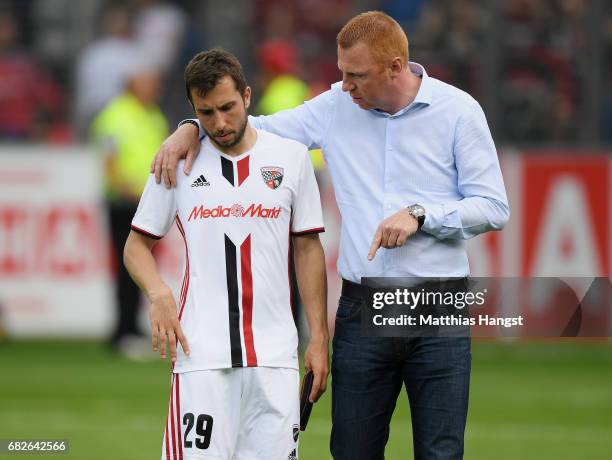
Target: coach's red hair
x: 380, y: 32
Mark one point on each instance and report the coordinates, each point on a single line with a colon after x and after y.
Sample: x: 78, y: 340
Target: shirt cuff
x: 308, y: 231
x: 438, y: 217
x: 145, y: 233
x: 193, y: 121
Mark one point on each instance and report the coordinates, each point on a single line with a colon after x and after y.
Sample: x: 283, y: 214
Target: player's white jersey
x: 237, y: 215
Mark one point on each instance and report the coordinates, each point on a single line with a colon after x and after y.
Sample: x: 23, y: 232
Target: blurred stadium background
x: 542, y: 70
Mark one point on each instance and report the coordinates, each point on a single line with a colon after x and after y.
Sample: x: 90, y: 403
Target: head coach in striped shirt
x: 415, y: 173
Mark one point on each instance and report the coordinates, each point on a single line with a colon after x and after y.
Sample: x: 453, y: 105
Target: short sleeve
x: 156, y: 210
x: 307, y: 216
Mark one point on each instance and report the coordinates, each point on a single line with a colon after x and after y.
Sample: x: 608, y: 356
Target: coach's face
x: 363, y: 77
x: 222, y: 112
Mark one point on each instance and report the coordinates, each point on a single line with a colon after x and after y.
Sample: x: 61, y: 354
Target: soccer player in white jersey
x: 235, y: 382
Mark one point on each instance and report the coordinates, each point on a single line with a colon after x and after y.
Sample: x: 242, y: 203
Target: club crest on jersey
x: 272, y: 176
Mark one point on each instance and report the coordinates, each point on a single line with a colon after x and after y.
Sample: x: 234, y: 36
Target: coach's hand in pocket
x: 165, y: 323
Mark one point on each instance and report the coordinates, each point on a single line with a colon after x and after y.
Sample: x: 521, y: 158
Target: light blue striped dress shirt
x: 437, y: 152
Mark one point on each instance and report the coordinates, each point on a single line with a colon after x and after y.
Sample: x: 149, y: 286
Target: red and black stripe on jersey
x: 246, y: 281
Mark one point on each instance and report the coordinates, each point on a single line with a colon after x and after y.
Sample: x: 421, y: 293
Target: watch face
x: 417, y: 210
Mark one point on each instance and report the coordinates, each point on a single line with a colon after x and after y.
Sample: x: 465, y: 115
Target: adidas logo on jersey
x: 200, y: 182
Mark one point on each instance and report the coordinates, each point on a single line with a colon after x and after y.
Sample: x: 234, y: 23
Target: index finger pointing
x: 375, y: 243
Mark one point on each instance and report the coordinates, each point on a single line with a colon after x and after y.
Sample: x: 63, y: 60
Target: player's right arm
x: 140, y: 263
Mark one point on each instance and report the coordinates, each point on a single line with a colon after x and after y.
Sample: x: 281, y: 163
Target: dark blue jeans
x: 367, y: 376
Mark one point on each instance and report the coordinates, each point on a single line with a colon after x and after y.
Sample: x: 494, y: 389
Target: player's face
x: 364, y: 78
x: 223, y: 112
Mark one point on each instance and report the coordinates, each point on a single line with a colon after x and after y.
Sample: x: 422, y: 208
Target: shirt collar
x: 424, y: 95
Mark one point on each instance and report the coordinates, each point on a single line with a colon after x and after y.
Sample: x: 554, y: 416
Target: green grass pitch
x: 528, y: 401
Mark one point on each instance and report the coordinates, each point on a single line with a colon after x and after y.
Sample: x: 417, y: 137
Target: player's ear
x: 246, y: 97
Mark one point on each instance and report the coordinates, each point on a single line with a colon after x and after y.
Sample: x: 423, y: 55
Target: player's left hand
x: 316, y: 359
x: 165, y: 325
x: 393, y: 231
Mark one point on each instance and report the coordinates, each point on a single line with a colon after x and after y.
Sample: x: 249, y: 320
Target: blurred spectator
x: 129, y: 130
x: 318, y: 23
x: 159, y: 29
x: 282, y: 88
x: 312, y: 25
x: 405, y: 12
x: 102, y: 67
x: 529, y: 61
x: 32, y: 103
x: 60, y: 29
x: 544, y: 44
x: 448, y: 41
x: 275, y: 19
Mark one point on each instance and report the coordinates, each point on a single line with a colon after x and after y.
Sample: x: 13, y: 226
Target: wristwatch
x: 418, y: 212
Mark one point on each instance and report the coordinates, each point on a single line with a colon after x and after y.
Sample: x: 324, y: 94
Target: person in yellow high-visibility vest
x: 128, y: 131
x: 283, y: 89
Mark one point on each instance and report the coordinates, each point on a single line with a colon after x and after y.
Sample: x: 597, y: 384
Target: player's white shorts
x: 249, y: 413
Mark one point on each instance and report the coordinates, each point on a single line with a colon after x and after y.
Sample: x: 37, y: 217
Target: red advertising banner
x: 56, y: 276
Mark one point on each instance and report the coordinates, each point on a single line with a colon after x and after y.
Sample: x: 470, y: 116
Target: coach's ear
x: 395, y: 67
x: 246, y: 97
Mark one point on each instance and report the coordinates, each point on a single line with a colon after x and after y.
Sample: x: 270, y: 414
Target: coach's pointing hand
x: 183, y: 143
x: 393, y: 232
x: 165, y: 323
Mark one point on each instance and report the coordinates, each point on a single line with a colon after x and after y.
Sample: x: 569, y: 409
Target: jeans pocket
x: 347, y: 308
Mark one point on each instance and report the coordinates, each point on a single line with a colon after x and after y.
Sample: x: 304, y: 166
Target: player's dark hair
x: 208, y: 67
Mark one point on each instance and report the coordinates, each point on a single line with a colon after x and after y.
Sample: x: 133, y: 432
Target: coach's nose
x: 347, y: 84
